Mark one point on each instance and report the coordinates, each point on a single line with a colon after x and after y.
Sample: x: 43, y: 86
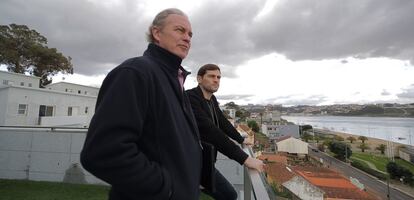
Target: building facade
x: 23, y: 103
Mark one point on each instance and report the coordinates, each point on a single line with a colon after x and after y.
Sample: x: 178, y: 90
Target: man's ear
x: 155, y: 31
x: 199, y: 78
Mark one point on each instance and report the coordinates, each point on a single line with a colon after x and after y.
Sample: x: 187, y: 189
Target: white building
x: 23, y: 103
x: 292, y: 145
x: 271, y: 116
x: 276, y: 131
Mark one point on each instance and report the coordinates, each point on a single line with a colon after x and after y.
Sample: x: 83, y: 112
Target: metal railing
x: 255, y: 184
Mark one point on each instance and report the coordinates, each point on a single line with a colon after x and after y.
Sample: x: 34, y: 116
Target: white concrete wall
x: 292, y: 145
x: 73, y: 121
x: 232, y: 171
x: 36, y: 97
x: 404, y: 156
x: 74, y: 88
x: 15, y: 79
x: 4, y: 93
x: 42, y: 155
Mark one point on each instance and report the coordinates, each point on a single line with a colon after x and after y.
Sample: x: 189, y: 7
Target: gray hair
x: 160, y: 19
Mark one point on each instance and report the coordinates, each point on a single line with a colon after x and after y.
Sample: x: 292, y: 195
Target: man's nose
x: 187, y: 38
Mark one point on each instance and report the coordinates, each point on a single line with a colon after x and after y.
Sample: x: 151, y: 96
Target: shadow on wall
x: 74, y: 174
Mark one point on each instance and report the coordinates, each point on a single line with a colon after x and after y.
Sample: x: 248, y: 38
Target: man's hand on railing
x: 254, y: 163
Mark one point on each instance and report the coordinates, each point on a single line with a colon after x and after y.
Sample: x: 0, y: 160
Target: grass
x: 404, y: 163
x: 42, y: 190
x: 380, y: 162
x: 362, y: 163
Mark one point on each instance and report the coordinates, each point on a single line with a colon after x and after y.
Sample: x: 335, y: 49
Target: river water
x: 388, y: 128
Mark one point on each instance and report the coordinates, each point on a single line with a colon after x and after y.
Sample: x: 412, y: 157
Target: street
x: 371, y: 183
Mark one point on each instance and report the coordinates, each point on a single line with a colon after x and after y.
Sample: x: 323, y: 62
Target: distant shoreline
x: 313, y: 115
x: 374, y: 142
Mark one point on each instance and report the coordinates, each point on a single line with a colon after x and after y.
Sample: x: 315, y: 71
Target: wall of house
x: 292, y: 145
x: 74, y: 88
x: 36, y: 97
x: 15, y: 79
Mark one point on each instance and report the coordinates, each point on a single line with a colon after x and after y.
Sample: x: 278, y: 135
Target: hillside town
x: 302, y: 162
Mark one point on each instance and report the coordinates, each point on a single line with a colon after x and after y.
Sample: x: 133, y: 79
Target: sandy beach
x: 371, y: 142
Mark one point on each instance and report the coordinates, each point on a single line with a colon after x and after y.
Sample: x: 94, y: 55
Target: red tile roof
x: 274, y: 158
x: 278, y: 172
x: 332, y: 183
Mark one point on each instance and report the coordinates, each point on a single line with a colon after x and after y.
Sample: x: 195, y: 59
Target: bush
x: 340, y: 150
x: 359, y: 165
x: 399, y: 172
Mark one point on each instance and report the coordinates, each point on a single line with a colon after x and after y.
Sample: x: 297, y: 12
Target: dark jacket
x: 143, y: 139
x: 209, y: 132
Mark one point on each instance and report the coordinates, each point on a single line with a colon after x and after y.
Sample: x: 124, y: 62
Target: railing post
x: 247, y: 184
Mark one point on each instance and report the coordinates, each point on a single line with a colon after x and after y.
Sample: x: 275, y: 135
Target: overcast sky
x: 289, y: 52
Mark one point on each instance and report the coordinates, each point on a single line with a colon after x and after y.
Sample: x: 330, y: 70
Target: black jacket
x: 209, y: 132
x: 143, y: 139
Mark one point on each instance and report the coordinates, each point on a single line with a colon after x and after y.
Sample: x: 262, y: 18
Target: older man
x: 143, y: 139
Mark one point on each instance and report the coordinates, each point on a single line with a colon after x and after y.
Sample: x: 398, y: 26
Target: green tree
x: 253, y: 125
x: 231, y: 105
x: 381, y: 148
x: 362, y: 138
x: 25, y: 50
x: 351, y: 139
x: 363, y: 147
x: 340, y: 149
x: 242, y: 114
x: 306, y: 136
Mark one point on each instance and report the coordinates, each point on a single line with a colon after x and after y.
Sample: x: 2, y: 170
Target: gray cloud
x: 235, y: 97
x: 298, y: 100
x: 408, y: 93
x: 228, y: 33
x: 385, y: 93
x: 96, y: 37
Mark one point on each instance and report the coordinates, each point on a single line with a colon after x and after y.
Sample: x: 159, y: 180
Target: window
x: 22, y: 110
x: 79, y: 91
x: 45, y: 110
x: 30, y: 85
x: 86, y: 92
x: 86, y: 110
x: 5, y: 82
x: 70, y: 111
x: 21, y: 83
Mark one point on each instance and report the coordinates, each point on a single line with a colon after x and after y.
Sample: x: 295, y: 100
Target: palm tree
x: 351, y: 139
x: 381, y: 148
x: 362, y: 138
x: 363, y: 147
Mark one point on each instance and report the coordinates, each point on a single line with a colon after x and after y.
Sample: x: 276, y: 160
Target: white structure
x: 74, y: 88
x: 14, y: 79
x: 271, y: 116
x: 43, y: 154
x: 23, y: 103
x: 276, y: 131
x: 292, y: 145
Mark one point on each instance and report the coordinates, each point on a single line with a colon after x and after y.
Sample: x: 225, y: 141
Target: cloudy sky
x: 290, y: 52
